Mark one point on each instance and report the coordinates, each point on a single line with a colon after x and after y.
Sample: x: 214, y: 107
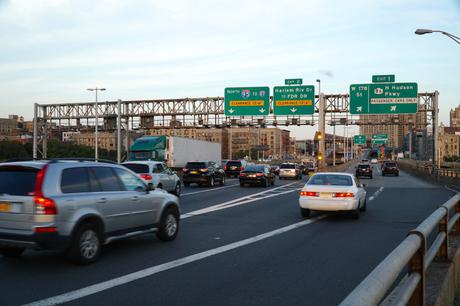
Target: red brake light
x: 145, y: 176
x: 225, y: 167
x: 39, y: 181
x: 259, y: 174
x: 344, y: 195
x: 242, y: 174
x: 241, y: 168
x: 309, y: 194
x: 44, y: 206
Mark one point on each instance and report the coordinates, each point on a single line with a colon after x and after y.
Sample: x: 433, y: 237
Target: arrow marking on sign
x: 293, y: 109
x: 262, y: 110
x: 231, y: 110
x: 359, y: 109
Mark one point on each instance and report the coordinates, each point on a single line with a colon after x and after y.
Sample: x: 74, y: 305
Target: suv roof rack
x: 80, y: 159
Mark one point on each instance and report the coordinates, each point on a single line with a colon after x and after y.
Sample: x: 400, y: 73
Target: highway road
x: 236, y: 246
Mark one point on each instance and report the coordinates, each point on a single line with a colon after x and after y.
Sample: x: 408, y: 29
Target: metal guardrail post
x: 417, y: 265
x: 442, y: 226
x: 456, y: 228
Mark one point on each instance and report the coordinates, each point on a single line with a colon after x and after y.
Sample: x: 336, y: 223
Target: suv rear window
x: 364, y: 166
x: 196, y: 165
x: 287, y: 166
x: 19, y: 181
x: 137, y: 168
x: 234, y: 163
x: 390, y: 165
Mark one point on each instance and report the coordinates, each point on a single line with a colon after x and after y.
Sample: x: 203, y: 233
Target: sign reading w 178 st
x: 247, y: 101
x: 389, y: 98
x: 294, y: 100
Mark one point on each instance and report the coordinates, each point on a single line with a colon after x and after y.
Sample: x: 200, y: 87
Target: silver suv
x: 78, y: 206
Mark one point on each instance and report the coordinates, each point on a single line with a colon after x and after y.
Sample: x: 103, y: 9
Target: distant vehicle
x: 400, y: 155
x: 174, y: 151
x: 275, y: 169
x: 157, y: 173
x: 203, y: 173
x: 339, y: 158
x: 78, y: 206
x: 332, y: 191
x: 257, y: 174
x: 290, y: 170
x: 364, y: 161
x: 234, y: 167
x: 363, y: 169
x: 310, y: 168
x: 390, y: 167
x: 374, y: 161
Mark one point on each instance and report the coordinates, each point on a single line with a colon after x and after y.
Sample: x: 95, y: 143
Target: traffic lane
x: 211, y: 197
x: 24, y: 280
x: 317, y: 264
x: 194, y: 188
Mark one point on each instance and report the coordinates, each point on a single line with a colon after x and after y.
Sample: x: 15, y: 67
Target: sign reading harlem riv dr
x: 247, y: 101
x: 384, y: 98
x: 294, y: 100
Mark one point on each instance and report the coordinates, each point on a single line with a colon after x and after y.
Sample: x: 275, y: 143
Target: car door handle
x: 102, y: 200
x: 135, y: 198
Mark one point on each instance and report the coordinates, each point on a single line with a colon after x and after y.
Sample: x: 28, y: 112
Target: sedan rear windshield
x: 254, y: 169
x: 18, y: 181
x: 390, y: 165
x: 330, y: 179
x: 234, y: 163
x: 364, y: 166
x: 195, y: 165
x: 138, y: 168
x: 287, y: 166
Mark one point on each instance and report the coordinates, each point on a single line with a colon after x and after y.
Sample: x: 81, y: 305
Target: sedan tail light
x: 204, y: 170
x: 309, y: 194
x: 242, y: 174
x: 241, y: 168
x: 344, y: 195
x: 259, y: 174
x: 146, y: 176
x: 225, y: 168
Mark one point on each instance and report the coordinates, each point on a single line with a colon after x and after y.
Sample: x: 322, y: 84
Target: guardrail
x: 414, y: 254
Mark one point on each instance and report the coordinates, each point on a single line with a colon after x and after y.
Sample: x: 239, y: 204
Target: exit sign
x: 389, y: 78
x: 293, y: 82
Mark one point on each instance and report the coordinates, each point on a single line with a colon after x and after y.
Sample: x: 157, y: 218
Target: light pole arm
x: 451, y: 36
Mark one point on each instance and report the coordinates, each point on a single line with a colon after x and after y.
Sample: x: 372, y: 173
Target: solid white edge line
x: 96, y: 288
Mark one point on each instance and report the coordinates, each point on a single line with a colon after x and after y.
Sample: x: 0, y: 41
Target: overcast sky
x: 52, y: 50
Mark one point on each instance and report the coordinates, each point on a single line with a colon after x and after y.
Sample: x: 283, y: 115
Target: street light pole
x: 96, y: 139
x: 428, y: 31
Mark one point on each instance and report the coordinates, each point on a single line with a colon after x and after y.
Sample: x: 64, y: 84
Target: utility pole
x: 322, y: 125
x: 96, y: 140
x: 119, y: 131
x: 435, y: 129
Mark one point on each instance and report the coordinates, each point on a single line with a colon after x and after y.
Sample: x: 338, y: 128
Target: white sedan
x: 333, y: 191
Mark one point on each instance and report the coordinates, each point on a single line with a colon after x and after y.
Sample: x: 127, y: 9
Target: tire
x: 363, y: 209
x: 222, y: 181
x: 12, y: 252
x: 355, y: 213
x: 211, y: 182
x: 160, y: 186
x: 169, y: 225
x: 241, y: 185
x: 86, y: 244
x: 273, y: 182
x: 383, y: 174
x: 370, y: 177
x: 177, y: 190
x: 187, y: 184
x: 266, y: 183
x: 305, y: 213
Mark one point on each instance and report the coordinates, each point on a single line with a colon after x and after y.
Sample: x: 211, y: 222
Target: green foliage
x: 452, y: 159
x: 56, y: 149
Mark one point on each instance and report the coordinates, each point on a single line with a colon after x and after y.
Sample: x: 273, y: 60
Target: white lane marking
x: 96, y: 288
x: 209, y: 190
x: 372, y: 197
x: 240, y: 201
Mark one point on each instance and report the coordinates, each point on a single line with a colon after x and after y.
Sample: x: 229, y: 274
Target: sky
x: 52, y: 50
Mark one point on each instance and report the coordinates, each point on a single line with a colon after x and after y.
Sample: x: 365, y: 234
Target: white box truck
x: 175, y: 151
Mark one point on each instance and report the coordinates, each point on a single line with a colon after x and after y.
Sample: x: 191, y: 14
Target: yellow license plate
x: 193, y: 172
x: 5, y: 207
x: 325, y: 195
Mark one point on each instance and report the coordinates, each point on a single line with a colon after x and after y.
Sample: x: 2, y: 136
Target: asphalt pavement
x: 236, y: 246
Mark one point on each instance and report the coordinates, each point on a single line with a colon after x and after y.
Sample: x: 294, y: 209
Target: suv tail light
x: 241, y: 168
x: 242, y: 174
x: 309, y: 194
x: 225, y: 168
x: 43, y: 205
x: 343, y: 195
x: 145, y: 176
x: 204, y: 170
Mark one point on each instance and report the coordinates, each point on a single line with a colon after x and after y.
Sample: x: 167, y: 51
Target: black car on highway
x: 390, y: 167
x: 257, y: 175
x: 364, y: 169
x: 203, y: 173
x: 234, y: 167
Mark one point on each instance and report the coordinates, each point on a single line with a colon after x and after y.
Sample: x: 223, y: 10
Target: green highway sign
x: 294, y: 100
x: 390, y: 78
x: 293, y: 81
x: 359, y: 139
x: 379, y: 136
x: 391, y: 98
x: 247, y: 101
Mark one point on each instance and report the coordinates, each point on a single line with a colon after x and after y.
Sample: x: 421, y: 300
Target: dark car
x: 203, y: 173
x: 390, y: 168
x: 257, y: 174
x: 234, y: 167
x: 364, y: 170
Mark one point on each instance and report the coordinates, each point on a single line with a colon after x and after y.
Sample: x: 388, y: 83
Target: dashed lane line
x: 128, y: 278
x: 372, y: 197
x: 209, y: 190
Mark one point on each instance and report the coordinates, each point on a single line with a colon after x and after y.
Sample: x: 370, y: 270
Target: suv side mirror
x: 150, y: 187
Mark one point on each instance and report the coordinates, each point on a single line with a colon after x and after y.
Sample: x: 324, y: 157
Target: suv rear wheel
x: 86, y: 244
x: 12, y: 252
x: 177, y: 190
x: 222, y: 181
x: 211, y: 181
x: 169, y: 225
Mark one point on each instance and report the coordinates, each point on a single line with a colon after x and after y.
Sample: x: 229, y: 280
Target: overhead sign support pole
x: 435, y: 130
x: 322, y: 126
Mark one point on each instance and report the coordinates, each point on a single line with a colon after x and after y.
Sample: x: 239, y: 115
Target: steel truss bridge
x: 203, y: 113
